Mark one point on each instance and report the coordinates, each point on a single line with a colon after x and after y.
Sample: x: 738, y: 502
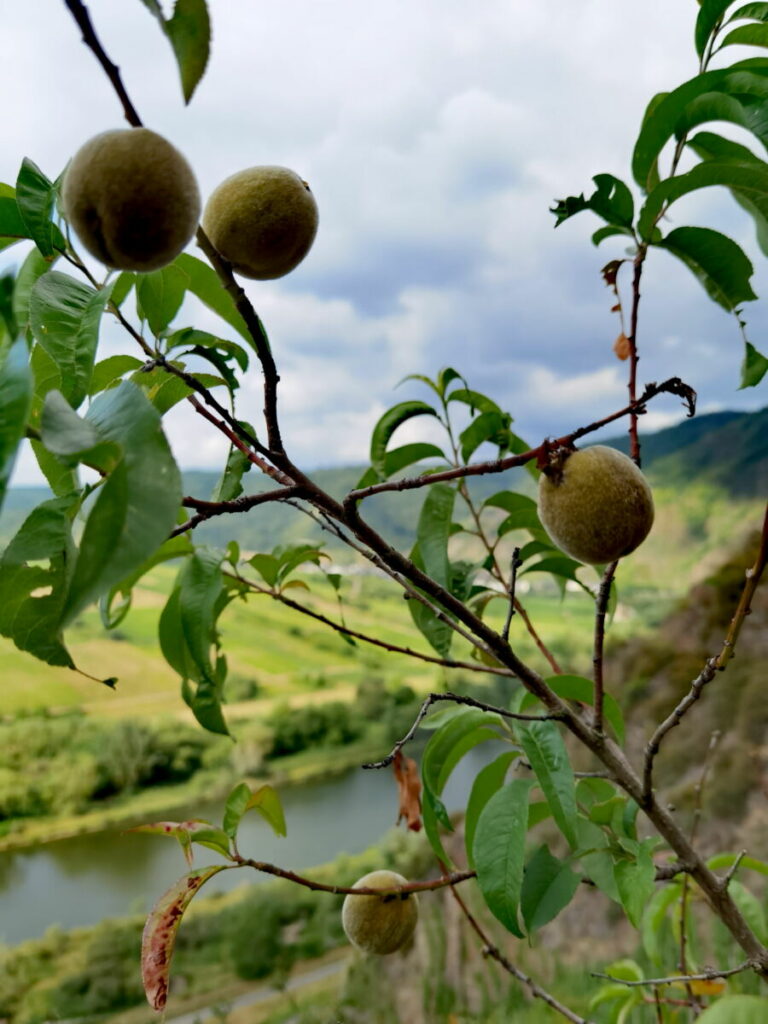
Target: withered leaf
x: 409, y: 791
x: 159, y: 935
x: 622, y: 347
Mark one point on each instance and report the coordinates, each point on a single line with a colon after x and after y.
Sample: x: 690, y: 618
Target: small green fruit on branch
x: 380, y: 924
x: 595, y: 503
x: 262, y: 220
x: 132, y: 198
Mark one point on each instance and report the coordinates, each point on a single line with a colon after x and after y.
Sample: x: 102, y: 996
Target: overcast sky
x: 435, y: 134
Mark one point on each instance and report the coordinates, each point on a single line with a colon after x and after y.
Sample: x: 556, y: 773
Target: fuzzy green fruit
x: 262, y: 220
x: 132, y: 198
x: 595, y: 504
x: 380, y: 924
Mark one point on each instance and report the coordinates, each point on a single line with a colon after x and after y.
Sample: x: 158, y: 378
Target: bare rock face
x: 595, y: 504
x: 132, y: 199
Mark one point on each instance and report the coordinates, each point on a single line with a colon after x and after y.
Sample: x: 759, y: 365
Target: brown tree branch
x: 601, y: 609
x: 209, y: 509
x: 340, y: 627
x: 753, y: 576
x: 455, y: 698
x: 674, y: 385
x: 709, y: 975
x: 341, y: 890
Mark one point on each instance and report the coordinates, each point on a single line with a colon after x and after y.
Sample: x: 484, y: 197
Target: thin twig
x: 515, y: 564
x: 342, y: 890
x: 80, y: 13
x: 733, y: 868
x: 601, y: 609
x: 340, y: 627
x: 711, y: 975
x: 674, y: 385
x: 456, y: 698
x: 634, y: 440
x: 492, y: 951
x: 208, y: 509
x: 706, y: 675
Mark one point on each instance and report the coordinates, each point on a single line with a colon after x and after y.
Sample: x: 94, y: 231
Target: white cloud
x: 435, y: 141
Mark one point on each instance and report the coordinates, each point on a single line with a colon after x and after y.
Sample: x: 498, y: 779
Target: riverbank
x: 160, y: 801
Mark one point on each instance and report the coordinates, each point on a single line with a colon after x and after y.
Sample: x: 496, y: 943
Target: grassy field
x: 287, y: 654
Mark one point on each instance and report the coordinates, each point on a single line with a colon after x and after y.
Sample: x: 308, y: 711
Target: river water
x: 81, y: 881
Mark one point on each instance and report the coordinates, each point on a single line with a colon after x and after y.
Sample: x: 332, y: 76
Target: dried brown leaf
x: 622, y: 347
x: 409, y: 791
x: 159, y: 935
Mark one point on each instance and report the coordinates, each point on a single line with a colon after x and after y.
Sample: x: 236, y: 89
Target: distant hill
x: 728, y: 450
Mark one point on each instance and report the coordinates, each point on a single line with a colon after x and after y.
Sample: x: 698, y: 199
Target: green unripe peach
x: 132, y: 199
x: 262, y: 220
x: 595, y: 504
x: 380, y: 924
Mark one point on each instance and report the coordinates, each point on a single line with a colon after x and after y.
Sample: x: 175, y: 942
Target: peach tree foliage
x: 79, y: 410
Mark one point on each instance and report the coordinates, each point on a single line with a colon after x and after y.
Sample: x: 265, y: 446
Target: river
x: 80, y: 881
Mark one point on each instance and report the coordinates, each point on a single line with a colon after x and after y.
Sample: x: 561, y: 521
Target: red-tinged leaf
x: 409, y: 791
x: 622, y: 347
x: 159, y: 935
x: 182, y: 831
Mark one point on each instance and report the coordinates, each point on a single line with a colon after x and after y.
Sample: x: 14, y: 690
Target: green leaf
x: 189, y: 31
x: 159, y: 296
x: 65, y: 316
x: 750, y: 181
x: 33, y: 267
x: 110, y: 370
x: 35, y: 196
x: 549, y: 885
x: 452, y: 740
x: 582, y: 690
x: 158, y: 940
x: 137, y: 505
x: 735, y: 1010
x: 16, y: 387
x: 750, y: 907
x: 596, y: 859
x: 655, y: 919
x: 67, y: 435
x: 611, y: 200
x: 727, y: 860
x: 717, y: 261
x: 475, y: 400
x: 635, y: 880
x: 200, y: 590
x: 387, y: 425
x: 610, y: 231
x: 556, y: 565
x: 754, y: 367
x: 32, y: 596
x: 664, y: 115
x: 758, y: 11
x: 711, y: 13
x: 499, y: 851
x: 487, y: 427
x: 12, y: 224
x: 121, y: 287
x: 174, y: 547
x: 545, y: 749
x: 747, y: 35
x: 265, y: 800
x: 189, y: 337
x: 434, y: 530
x: 400, y: 458
x: 230, y: 484
x: 213, y: 839
x: 205, y: 284
x: 488, y: 781
x: 61, y: 476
